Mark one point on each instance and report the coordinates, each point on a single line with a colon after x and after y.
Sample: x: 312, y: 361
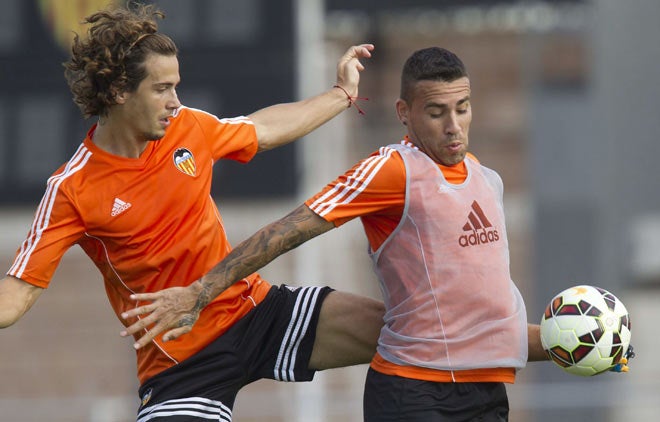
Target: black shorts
x: 274, y: 341
x: 391, y: 398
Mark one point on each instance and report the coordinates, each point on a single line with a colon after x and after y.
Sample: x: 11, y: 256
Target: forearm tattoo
x: 260, y: 249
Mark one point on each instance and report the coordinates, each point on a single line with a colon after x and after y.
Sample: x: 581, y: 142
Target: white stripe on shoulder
x: 226, y: 120
x: 407, y: 143
x: 356, y: 182
x: 237, y: 120
x: 42, y: 215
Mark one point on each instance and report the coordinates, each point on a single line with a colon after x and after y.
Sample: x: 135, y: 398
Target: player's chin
x: 156, y: 135
x: 454, y: 159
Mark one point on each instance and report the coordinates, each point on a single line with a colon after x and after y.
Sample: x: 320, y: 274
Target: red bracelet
x: 352, y: 100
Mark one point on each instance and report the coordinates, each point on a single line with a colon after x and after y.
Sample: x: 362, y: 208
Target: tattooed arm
x: 176, y: 309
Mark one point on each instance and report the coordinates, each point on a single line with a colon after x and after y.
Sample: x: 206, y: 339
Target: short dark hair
x: 110, y: 60
x: 433, y: 63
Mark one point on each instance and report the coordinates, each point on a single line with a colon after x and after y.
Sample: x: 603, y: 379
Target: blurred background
x: 566, y: 108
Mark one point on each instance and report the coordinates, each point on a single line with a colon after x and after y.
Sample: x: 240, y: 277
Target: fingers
x: 170, y: 309
x: 354, y: 53
x: 158, y: 325
x: 175, y: 333
x: 140, y: 310
x: 142, y: 324
x: 349, y: 67
x: 151, y: 334
x: 139, y: 325
x: 146, y: 297
x: 362, y: 50
x: 146, y: 338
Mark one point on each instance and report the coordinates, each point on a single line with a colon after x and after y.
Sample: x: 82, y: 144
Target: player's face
x: 438, y: 119
x: 149, y: 108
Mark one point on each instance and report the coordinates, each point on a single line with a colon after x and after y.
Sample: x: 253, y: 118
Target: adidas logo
x: 119, y: 207
x: 480, y: 229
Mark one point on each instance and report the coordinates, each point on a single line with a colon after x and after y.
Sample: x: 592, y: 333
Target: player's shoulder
x: 383, y: 164
x: 392, y: 153
x: 74, y: 175
x: 386, y: 156
x: 472, y: 157
x: 185, y: 113
x: 203, y: 116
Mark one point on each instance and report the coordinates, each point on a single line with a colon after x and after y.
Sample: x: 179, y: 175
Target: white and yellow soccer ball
x: 585, y: 330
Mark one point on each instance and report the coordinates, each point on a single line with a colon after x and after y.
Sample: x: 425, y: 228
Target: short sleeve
x: 374, y: 186
x: 55, y: 228
x: 229, y: 138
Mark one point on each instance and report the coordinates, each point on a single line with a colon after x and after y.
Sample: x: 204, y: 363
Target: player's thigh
x: 348, y: 330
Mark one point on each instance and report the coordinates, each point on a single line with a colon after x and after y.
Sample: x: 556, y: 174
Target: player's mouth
x: 455, y: 146
x: 165, y: 122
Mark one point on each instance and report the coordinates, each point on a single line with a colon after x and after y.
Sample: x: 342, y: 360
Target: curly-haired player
x: 135, y: 196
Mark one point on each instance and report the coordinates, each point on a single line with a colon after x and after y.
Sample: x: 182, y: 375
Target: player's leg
x: 314, y: 328
x: 286, y: 323
x: 347, y: 331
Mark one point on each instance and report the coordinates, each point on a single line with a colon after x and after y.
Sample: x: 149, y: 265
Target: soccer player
x: 455, y: 324
x: 135, y: 197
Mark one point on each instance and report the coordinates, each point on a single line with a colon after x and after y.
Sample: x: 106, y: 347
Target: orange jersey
x: 148, y: 224
x: 374, y: 190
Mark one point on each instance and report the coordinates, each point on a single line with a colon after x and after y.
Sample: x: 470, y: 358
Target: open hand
x: 349, y: 67
x: 174, y: 309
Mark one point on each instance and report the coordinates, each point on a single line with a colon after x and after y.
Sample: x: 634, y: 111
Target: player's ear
x: 120, y: 98
x: 402, y: 111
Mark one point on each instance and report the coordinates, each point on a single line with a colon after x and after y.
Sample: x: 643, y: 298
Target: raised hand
x: 349, y: 67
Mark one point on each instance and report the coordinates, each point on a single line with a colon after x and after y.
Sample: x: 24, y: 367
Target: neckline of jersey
x: 141, y: 161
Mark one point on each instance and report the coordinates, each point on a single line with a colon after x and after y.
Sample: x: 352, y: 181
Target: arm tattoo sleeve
x: 261, y: 248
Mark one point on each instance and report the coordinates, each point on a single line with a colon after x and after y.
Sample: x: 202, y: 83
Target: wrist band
x: 352, y: 100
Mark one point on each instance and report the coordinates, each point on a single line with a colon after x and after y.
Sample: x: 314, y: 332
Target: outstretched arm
x: 16, y: 298
x: 282, y: 123
x: 176, y: 309
x: 534, y: 347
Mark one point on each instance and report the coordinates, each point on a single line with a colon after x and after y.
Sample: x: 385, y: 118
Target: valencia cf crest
x: 146, y: 397
x: 184, y: 161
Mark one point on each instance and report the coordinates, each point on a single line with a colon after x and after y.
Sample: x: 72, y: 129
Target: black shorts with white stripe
x: 273, y: 341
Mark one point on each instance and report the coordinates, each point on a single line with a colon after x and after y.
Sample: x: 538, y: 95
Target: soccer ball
x: 585, y: 330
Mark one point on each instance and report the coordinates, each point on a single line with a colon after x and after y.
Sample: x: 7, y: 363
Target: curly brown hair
x: 111, y: 59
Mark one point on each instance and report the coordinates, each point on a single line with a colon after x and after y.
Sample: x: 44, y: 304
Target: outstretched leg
x: 347, y: 331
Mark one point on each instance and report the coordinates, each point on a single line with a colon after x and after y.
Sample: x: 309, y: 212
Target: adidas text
x: 478, y: 238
